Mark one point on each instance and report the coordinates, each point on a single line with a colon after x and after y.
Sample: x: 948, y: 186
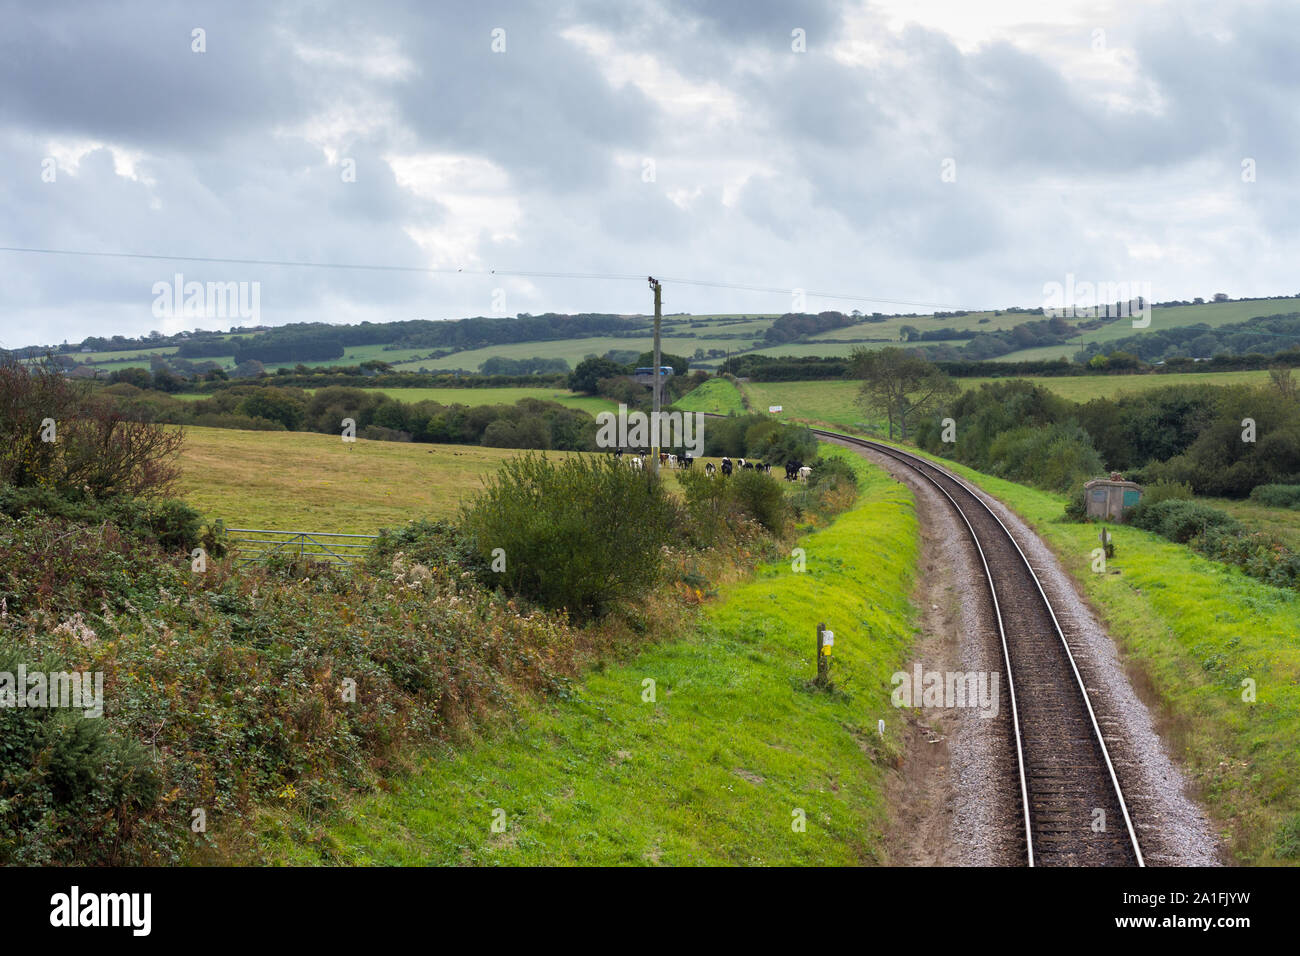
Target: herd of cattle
x: 794, y: 470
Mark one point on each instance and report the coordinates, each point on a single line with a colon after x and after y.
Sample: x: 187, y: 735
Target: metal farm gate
x: 323, y: 546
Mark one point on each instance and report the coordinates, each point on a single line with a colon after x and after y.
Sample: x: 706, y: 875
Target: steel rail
x: 919, y: 465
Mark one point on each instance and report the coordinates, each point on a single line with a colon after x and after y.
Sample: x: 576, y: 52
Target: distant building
x: 1111, y: 498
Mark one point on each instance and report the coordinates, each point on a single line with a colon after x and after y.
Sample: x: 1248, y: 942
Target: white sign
x: 773, y: 409
x: 828, y: 638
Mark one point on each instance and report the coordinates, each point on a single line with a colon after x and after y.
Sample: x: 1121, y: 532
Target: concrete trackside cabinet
x: 1111, y: 498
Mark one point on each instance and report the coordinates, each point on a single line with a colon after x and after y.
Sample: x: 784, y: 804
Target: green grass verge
x: 711, y: 772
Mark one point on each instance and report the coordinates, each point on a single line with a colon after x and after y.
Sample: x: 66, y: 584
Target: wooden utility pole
x: 658, y: 378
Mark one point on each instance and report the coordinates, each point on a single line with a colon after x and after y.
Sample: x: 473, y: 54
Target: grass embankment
x: 827, y: 403
x: 1194, y: 629
x: 718, y: 396
x: 714, y: 769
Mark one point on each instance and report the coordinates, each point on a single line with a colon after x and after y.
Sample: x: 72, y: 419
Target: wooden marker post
x: 825, y: 641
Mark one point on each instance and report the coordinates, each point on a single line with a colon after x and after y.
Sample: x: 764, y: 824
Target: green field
x: 303, y: 481
x: 477, y: 396
x: 1083, y: 388
x: 834, y: 401
x: 734, y: 748
x: 1213, y: 314
x: 299, y: 481
x: 500, y: 396
x: 717, y: 395
x: 571, y: 350
x: 139, y: 358
x: 684, y: 334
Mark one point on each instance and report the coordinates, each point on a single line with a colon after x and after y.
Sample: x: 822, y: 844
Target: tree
x: 249, y: 368
x: 275, y: 405
x: 590, y: 371
x: 900, y: 385
x: 909, y: 333
x: 1280, y: 379
x: 92, y: 447
x: 132, y: 376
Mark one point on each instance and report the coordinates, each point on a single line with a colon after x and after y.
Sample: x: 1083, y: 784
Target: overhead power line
x: 511, y: 273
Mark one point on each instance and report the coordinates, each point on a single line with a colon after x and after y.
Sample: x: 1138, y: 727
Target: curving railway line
x: 1065, y: 769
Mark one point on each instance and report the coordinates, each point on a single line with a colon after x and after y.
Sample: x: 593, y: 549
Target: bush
x: 1166, y: 491
x: 1287, y: 843
x: 761, y: 496
x: 831, y: 471
x: 430, y: 543
x: 1182, y: 521
x: 234, y: 681
x: 709, y: 507
x: 97, y: 449
x: 1076, y: 503
x: 169, y: 523
x: 64, y: 775
x: 1055, y: 457
x: 582, y: 535
x: 760, y: 437
x: 1277, y: 496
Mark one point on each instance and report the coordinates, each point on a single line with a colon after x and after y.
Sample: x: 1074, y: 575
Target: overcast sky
x: 927, y: 151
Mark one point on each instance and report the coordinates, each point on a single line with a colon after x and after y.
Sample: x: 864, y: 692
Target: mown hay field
x: 302, y: 481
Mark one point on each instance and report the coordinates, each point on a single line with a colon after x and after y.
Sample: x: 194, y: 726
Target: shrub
x: 708, y: 506
x: 1287, y: 843
x: 430, y: 543
x: 1054, y: 457
x: 97, y: 449
x: 1277, y: 496
x: 169, y: 523
x: 1182, y: 521
x: 65, y: 780
x: 581, y: 535
x: 758, y: 436
x: 829, y: 471
x: 1076, y: 503
x: 1166, y: 491
x: 760, y: 496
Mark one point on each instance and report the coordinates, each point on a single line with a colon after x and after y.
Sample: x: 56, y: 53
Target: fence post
x: 825, y: 640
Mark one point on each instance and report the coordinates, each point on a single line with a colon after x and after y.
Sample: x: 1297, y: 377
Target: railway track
x: 1065, y: 769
